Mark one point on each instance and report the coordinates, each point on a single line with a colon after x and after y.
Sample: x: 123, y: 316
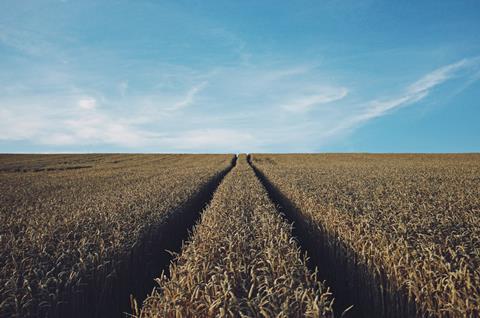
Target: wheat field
x: 298, y: 235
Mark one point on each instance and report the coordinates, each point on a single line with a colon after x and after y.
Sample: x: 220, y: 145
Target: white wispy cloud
x: 20, y: 124
x: 214, y: 139
x: 422, y: 87
x: 413, y: 93
x: 325, y: 96
x: 240, y: 109
x: 87, y: 103
x: 189, y: 97
x: 97, y: 129
x: 437, y: 77
x: 71, y: 126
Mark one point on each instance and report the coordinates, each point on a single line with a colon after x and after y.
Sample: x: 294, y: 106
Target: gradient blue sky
x: 239, y: 76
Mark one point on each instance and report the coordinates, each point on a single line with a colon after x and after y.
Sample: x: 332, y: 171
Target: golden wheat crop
x: 404, y: 230
x: 68, y: 223
x: 398, y: 235
x: 240, y: 262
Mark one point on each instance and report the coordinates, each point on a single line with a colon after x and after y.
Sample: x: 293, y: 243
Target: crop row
x: 399, y: 233
x: 241, y: 261
x: 70, y: 238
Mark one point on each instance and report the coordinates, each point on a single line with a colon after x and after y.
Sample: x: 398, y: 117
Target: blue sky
x: 239, y: 76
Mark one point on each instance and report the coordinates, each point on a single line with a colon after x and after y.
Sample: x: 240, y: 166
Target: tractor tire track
x: 151, y: 255
x: 311, y: 243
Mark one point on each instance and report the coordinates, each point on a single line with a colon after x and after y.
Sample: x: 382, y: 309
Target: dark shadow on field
x: 350, y: 279
x: 109, y: 296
